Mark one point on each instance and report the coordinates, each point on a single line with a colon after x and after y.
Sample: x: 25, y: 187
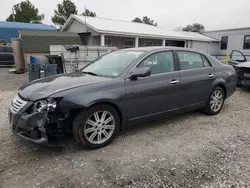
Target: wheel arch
x: 115, y: 106
x: 222, y: 85
x: 207, y: 107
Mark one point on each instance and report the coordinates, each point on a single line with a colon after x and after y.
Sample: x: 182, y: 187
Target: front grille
x: 17, y: 104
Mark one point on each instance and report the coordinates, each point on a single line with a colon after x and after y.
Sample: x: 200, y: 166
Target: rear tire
x: 96, y: 126
x: 215, y: 101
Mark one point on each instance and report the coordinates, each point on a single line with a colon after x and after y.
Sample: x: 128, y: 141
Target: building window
x: 246, y: 45
x: 129, y: 43
x: 108, y: 42
x: 223, y: 43
x: 148, y: 43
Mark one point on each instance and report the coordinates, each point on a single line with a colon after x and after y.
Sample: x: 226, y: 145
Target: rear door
x: 157, y: 93
x: 196, y: 76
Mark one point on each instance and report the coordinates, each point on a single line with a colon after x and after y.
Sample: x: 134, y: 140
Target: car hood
x: 244, y: 65
x: 45, y: 87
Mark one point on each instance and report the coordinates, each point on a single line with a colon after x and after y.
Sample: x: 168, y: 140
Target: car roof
x: 5, y: 46
x: 159, y: 48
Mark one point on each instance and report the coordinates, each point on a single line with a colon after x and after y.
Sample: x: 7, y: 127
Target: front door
x: 196, y: 76
x: 157, y: 93
x: 236, y: 58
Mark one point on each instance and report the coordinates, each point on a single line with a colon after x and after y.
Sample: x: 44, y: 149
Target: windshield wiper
x: 91, y: 73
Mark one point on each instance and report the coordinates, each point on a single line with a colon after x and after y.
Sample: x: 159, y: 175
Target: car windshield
x: 112, y: 64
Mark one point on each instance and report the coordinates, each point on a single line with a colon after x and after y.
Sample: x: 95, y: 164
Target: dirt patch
x: 191, y: 150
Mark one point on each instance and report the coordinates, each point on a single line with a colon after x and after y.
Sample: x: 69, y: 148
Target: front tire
x: 96, y: 126
x: 215, y: 101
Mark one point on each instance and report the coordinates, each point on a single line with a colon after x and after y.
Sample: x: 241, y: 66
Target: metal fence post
x: 227, y: 57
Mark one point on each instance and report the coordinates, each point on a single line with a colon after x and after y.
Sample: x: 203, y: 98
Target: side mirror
x: 140, y: 72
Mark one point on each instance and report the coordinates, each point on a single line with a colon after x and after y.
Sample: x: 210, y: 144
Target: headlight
x: 45, y: 105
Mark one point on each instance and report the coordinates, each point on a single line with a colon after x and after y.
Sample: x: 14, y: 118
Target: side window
x: 205, y: 61
x: 159, y: 62
x: 237, y: 56
x: 190, y: 60
x: 8, y: 50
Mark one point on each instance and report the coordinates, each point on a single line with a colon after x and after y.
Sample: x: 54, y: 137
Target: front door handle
x: 174, y: 81
x: 210, y: 76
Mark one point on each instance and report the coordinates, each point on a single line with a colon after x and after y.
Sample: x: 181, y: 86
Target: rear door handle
x: 174, y: 81
x: 210, y: 76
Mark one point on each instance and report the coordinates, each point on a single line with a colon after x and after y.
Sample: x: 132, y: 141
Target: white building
x: 125, y: 34
x: 231, y: 39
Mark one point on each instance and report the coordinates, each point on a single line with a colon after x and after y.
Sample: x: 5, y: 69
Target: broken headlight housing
x: 45, y: 105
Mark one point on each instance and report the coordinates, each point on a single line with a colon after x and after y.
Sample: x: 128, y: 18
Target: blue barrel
x: 34, y: 60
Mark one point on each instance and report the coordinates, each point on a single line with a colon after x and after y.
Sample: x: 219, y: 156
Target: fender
x: 83, y: 104
x: 219, y: 81
x: 81, y: 99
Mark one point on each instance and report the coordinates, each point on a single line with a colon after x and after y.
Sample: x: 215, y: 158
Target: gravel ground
x: 191, y: 150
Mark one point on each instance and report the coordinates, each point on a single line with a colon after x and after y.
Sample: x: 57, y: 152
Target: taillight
x: 233, y: 71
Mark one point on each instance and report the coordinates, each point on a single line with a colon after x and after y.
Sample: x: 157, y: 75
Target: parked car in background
x: 6, y: 56
x: 122, y: 88
x: 242, y: 67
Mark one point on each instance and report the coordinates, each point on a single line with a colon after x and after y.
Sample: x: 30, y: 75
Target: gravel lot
x: 191, y: 150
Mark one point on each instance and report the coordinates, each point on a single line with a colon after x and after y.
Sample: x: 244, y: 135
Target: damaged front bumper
x: 45, y: 126
x: 29, y: 126
x: 38, y: 127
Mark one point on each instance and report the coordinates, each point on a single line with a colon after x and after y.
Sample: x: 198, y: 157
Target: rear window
x: 5, y: 49
x: 8, y: 50
x: 192, y: 60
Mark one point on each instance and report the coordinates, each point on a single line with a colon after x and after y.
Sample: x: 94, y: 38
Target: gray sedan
x: 122, y: 88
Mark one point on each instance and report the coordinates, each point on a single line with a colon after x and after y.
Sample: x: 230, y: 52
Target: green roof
x: 40, y: 41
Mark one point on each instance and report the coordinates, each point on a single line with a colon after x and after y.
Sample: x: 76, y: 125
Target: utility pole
x: 13, y: 13
x: 86, y: 19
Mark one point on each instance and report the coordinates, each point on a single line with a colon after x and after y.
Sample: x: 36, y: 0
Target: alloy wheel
x: 216, y: 100
x: 99, y: 127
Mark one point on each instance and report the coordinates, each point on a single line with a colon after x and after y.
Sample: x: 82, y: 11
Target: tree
x: 25, y: 12
x: 137, y: 20
x: 64, y: 10
x: 145, y: 20
x: 148, y: 21
x: 196, y: 27
x: 87, y: 12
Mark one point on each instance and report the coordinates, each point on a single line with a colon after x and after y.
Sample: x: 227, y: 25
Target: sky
x: 169, y: 14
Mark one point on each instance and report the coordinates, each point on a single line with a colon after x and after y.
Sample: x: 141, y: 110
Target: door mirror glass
x: 140, y: 72
x: 238, y: 56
